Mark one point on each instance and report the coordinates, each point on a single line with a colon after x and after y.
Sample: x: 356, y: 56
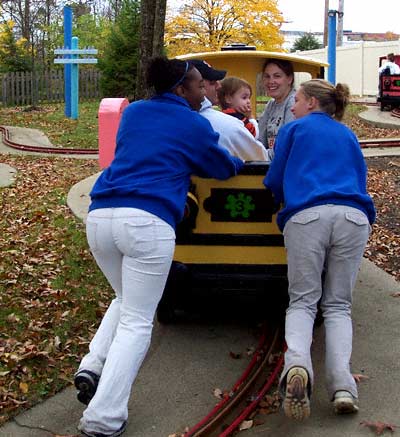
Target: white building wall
x: 357, y: 65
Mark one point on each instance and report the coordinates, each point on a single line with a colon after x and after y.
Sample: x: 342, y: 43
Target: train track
x: 379, y: 143
x: 43, y: 149
x: 374, y: 143
x: 242, y: 400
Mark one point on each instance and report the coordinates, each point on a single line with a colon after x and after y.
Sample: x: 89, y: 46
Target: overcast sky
x: 359, y: 15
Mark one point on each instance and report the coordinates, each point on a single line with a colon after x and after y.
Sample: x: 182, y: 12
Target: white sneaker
x: 344, y: 403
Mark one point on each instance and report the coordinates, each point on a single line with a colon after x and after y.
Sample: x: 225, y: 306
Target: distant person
x: 390, y: 64
x: 320, y: 176
x: 136, y: 204
x: 234, y: 98
x: 233, y: 136
x: 278, y: 82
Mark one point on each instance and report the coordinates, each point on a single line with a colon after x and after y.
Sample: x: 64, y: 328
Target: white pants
x: 330, y: 237
x: 134, y: 250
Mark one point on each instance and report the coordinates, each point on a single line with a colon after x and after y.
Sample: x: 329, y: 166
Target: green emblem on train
x: 240, y: 205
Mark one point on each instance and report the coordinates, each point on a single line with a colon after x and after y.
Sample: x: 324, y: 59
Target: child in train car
x: 234, y: 98
x: 320, y: 176
x: 233, y: 136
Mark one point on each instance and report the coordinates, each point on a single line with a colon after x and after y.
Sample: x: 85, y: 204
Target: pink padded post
x: 110, y: 112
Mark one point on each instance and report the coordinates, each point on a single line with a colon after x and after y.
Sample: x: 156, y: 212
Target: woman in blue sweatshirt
x: 319, y: 174
x: 136, y: 204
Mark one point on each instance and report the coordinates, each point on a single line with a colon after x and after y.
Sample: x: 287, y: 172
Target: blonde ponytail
x: 332, y: 99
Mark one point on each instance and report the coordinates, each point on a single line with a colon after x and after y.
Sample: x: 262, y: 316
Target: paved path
x: 7, y: 175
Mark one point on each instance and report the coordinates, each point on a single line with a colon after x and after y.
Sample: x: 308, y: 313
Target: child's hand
x: 245, y: 110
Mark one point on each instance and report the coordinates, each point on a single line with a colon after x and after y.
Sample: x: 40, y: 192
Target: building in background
x: 349, y: 37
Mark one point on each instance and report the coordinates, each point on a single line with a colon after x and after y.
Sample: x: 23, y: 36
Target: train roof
x: 255, y: 59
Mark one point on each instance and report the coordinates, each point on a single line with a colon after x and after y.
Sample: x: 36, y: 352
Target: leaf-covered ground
x: 51, y: 293
x: 384, y: 186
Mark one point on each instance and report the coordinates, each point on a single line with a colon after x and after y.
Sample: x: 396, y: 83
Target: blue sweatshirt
x: 161, y: 142
x: 318, y: 161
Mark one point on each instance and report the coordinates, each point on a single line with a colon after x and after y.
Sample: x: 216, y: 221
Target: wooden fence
x: 33, y: 88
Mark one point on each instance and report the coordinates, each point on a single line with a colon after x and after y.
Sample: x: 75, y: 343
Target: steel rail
x: 372, y: 143
x: 257, y: 399
x: 383, y: 142
x: 43, y: 149
x: 252, y: 374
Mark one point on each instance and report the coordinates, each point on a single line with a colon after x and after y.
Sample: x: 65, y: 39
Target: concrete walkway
x: 7, y: 175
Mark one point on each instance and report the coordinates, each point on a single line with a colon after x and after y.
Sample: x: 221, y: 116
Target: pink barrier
x: 110, y: 112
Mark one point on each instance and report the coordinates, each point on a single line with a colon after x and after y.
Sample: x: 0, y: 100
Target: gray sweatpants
x: 330, y: 237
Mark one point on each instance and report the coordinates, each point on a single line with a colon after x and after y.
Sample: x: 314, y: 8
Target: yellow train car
x: 229, y: 241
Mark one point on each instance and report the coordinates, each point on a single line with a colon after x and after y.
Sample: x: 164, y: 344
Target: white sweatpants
x: 134, y: 250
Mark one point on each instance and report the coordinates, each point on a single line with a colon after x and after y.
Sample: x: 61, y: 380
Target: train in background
x: 228, y: 241
x: 389, y: 86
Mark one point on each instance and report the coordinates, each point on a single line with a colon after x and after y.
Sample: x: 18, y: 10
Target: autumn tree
x: 391, y: 36
x: 201, y: 25
x: 14, y: 54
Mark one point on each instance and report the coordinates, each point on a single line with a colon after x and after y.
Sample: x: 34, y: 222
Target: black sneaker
x: 99, y: 434
x: 86, y: 382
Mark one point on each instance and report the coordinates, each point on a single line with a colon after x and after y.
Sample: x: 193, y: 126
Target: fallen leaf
x: 218, y: 393
x: 235, y: 356
x: 246, y: 424
x: 358, y: 377
x: 12, y: 318
x: 250, y: 351
x: 396, y: 294
x: 378, y: 427
x: 23, y: 386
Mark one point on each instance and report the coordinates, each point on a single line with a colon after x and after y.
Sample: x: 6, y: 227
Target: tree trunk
x: 151, y: 43
x: 26, y: 30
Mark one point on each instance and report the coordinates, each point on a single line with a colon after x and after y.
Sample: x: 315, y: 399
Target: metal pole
x: 67, y: 67
x: 74, y: 82
x: 332, y: 46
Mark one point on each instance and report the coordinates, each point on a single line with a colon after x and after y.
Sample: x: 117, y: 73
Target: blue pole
x: 74, y: 82
x: 332, y: 46
x: 67, y: 67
